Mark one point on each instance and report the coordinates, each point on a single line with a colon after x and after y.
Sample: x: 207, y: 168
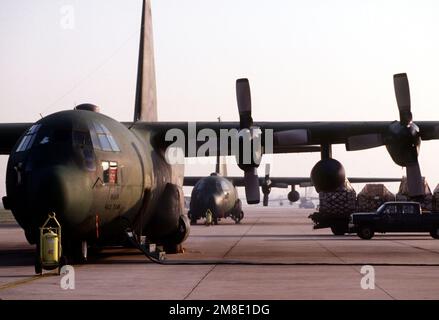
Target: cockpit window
x: 59, y: 136
x: 81, y: 138
x: 27, y: 141
x: 102, y: 139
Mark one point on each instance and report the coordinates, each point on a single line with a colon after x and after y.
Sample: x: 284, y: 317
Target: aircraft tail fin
x: 221, y: 162
x: 145, y: 108
x: 221, y: 165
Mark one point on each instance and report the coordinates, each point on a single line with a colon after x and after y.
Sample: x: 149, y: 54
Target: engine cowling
x: 293, y: 196
x: 403, y: 143
x: 328, y: 175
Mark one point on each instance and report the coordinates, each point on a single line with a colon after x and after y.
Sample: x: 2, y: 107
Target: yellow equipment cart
x: 49, y: 250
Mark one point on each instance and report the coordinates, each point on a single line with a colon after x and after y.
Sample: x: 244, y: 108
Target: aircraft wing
x: 290, y: 137
x: 9, y: 135
x: 285, y: 182
x: 303, y: 182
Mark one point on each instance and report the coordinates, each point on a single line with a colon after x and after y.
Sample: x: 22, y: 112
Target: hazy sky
x: 306, y: 60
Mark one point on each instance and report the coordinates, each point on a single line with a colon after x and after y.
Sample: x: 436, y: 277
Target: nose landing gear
x: 238, y: 216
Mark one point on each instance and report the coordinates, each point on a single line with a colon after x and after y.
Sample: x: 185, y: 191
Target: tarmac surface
x: 295, y: 262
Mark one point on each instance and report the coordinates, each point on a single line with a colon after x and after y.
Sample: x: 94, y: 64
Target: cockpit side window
x: 109, y: 171
x: 27, y: 141
x: 102, y: 139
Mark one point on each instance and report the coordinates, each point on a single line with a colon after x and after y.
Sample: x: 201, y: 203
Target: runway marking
x: 414, y: 247
x: 215, y: 265
x: 17, y: 283
x: 353, y: 267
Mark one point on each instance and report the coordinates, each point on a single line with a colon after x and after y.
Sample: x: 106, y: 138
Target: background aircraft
x: 218, y: 193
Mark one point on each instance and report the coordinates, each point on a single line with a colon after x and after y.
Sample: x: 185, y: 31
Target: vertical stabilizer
x: 145, y: 108
x: 221, y: 162
x: 221, y: 165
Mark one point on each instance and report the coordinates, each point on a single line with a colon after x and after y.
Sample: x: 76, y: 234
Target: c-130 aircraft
x: 102, y: 177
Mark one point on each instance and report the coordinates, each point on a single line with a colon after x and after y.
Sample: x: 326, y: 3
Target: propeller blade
x: 265, y: 201
x: 402, y: 92
x: 251, y: 182
x: 365, y: 141
x: 267, y: 170
x: 415, y: 183
x: 243, y: 98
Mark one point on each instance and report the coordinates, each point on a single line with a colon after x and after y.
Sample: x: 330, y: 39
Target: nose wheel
x: 37, y: 263
x: 192, y: 219
x: 84, y: 249
x: 76, y: 251
x: 238, y: 217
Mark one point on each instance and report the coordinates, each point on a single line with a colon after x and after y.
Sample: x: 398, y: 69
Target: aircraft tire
x: 192, y: 219
x: 62, y: 262
x: 239, y: 217
x: 73, y: 252
x: 37, y: 264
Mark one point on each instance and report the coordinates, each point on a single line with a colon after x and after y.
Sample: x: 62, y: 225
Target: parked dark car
x: 395, y: 217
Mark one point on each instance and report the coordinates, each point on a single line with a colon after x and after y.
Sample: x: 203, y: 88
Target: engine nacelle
x: 403, y: 143
x: 293, y: 196
x: 328, y: 175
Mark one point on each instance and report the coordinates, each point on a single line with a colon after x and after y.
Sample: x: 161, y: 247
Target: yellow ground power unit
x: 49, y: 249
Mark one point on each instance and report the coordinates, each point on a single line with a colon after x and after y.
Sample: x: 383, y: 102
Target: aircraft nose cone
x: 62, y: 190
x: 209, y: 202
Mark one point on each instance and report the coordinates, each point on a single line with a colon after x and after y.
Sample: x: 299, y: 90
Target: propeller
x: 402, y: 140
x: 402, y: 92
x: 267, y: 184
x: 251, y: 179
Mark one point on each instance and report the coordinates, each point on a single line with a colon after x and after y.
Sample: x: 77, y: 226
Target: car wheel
x: 366, y: 233
x: 435, y: 233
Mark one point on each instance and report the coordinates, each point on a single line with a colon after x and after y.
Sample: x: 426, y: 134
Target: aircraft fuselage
x: 97, y: 175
